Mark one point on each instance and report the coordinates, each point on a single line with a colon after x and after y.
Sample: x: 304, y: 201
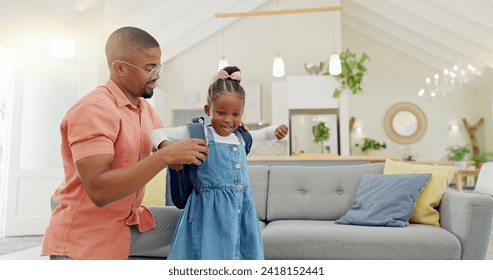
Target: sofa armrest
x: 469, y: 217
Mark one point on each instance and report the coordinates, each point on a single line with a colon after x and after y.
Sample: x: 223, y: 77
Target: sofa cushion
x: 155, y: 193
x: 315, y: 193
x: 429, y: 199
x: 259, y: 178
x: 385, y: 200
x: 325, y: 240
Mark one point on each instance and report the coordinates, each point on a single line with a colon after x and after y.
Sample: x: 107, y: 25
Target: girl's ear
x: 207, y: 110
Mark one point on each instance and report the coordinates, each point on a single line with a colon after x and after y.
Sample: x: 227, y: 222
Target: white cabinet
x: 311, y: 92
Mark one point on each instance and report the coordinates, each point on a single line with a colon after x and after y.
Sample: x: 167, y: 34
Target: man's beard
x: 147, y: 95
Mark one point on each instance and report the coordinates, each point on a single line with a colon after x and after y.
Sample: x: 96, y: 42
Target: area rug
x: 16, y: 243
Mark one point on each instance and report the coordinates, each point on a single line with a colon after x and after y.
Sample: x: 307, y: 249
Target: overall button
x: 238, y: 210
x: 239, y: 187
x: 237, y: 258
x: 237, y: 166
x: 235, y: 148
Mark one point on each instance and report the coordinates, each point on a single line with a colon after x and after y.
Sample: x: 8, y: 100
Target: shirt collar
x: 120, y: 98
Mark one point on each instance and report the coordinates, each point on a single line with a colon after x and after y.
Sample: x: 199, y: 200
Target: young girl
x: 221, y: 222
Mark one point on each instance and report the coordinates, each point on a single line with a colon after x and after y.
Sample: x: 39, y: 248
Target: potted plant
x: 320, y: 134
x: 353, y: 72
x: 457, y: 154
x: 482, y: 158
x: 369, y: 144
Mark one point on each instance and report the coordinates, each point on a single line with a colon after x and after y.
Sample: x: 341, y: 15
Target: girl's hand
x: 281, y: 131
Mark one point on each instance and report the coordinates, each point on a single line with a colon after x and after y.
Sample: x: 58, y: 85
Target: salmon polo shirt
x: 102, y: 122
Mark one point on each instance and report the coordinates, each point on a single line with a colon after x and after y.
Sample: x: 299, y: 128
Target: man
x: 107, y: 161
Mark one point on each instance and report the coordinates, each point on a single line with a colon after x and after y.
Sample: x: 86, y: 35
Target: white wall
x: 485, y: 107
x: 250, y: 43
x: 393, y: 78
x: 44, y: 90
x: 48, y: 93
x: 51, y: 86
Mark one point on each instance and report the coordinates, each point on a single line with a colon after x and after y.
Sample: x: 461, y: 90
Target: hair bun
x: 222, y: 74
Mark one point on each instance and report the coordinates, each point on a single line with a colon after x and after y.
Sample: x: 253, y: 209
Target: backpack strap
x: 196, y: 128
x: 247, y: 137
x: 183, y: 182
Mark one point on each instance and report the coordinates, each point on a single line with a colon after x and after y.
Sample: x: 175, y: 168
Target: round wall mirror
x: 405, y: 123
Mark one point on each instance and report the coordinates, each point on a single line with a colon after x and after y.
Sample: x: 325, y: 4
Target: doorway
x: 7, y: 82
x: 36, y: 97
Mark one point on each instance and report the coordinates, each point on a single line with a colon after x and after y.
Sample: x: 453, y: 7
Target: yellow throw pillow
x: 425, y: 211
x: 155, y: 194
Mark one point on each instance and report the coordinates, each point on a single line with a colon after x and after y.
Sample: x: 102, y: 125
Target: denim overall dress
x: 219, y: 222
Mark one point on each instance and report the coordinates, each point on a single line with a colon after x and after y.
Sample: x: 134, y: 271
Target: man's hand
x: 191, y: 151
x: 105, y: 184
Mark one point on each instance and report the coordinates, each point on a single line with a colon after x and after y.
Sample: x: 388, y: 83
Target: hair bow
x: 222, y: 74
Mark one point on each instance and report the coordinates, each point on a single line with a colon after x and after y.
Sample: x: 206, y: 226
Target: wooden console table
x: 317, y: 160
x: 461, y: 175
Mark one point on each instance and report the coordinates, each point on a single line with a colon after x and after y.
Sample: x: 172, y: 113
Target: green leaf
x: 320, y: 132
x: 336, y: 93
x: 353, y: 72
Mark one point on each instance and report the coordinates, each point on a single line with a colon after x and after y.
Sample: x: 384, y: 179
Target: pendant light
x: 278, y: 65
x: 335, y: 67
x: 222, y: 62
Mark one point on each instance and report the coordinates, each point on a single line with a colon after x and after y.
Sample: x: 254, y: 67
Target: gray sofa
x: 297, y: 208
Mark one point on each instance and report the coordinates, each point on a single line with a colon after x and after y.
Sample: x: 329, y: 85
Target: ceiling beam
x: 280, y: 12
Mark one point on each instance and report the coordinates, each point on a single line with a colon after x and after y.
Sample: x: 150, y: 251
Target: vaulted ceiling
x: 438, y: 33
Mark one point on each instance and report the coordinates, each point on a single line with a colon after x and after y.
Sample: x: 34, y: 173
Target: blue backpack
x: 183, y: 182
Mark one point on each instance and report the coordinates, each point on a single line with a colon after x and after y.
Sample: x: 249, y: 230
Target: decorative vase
x: 461, y: 164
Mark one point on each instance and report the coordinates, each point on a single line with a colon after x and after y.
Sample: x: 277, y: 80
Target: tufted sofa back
x: 258, y: 176
x: 306, y: 192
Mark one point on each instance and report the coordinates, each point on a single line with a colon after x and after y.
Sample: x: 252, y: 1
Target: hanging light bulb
x: 222, y: 63
x: 278, y: 66
x: 335, y: 67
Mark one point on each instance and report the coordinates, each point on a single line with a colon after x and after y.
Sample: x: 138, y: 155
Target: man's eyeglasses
x: 153, y: 72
